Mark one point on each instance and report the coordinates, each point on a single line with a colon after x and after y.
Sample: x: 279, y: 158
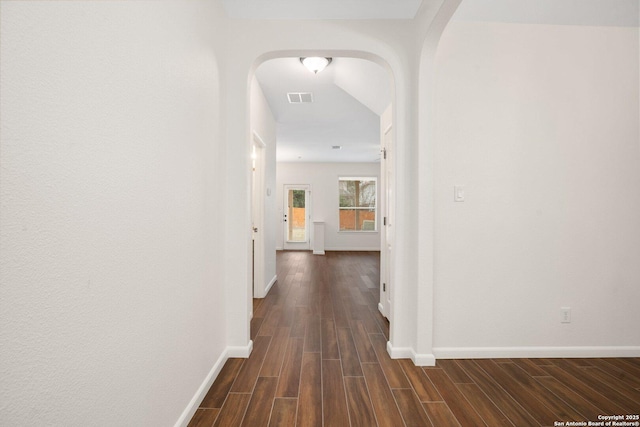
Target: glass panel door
x: 297, y: 229
x: 296, y: 218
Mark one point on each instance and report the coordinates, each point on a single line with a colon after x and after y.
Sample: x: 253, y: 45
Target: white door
x: 297, y: 216
x: 388, y: 212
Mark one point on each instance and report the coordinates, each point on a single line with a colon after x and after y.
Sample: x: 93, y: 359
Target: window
x: 358, y: 204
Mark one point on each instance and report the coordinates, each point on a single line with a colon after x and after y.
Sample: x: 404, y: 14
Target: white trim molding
x: 409, y: 353
x: 348, y: 249
x: 271, y: 283
x: 192, y: 407
x: 240, y: 351
x: 535, y: 352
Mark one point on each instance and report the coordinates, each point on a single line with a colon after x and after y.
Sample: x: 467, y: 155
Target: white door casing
x: 388, y: 212
x: 257, y: 215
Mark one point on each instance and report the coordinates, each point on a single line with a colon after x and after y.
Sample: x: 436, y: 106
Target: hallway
x: 320, y: 359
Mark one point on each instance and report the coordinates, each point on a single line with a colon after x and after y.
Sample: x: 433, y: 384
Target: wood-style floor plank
x: 411, y: 409
x: 530, y: 367
x: 392, y: 370
x: 586, y: 392
x: 359, y: 403
x: 284, y: 412
x: 461, y: 408
x: 310, y: 400
x: 289, y: 383
x: 204, y: 417
x: 275, y: 355
x: 348, y: 354
x: 312, y: 339
x: 387, y: 412
x: 625, y: 396
x: 329, y: 340
x: 624, y: 377
x: 320, y: 359
x: 423, y: 387
x: 555, y: 386
x: 301, y: 318
x: 540, y: 412
x: 562, y: 411
x: 334, y: 401
x: 440, y: 414
x: 455, y: 372
x: 233, y: 410
x: 218, y: 392
x: 259, y: 409
x: 490, y: 414
x: 516, y: 413
x: 251, y: 368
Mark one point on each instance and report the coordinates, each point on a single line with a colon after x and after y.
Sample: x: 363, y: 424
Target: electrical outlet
x: 565, y: 314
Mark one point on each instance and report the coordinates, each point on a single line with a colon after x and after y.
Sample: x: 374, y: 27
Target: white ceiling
x: 322, y: 9
x: 351, y: 93
x: 348, y: 97
x: 615, y: 13
x: 620, y: 13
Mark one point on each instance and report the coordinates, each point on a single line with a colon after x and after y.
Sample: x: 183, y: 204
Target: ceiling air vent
x: 300, y: 97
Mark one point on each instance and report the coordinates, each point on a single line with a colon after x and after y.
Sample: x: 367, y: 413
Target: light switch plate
x: 458, y: 193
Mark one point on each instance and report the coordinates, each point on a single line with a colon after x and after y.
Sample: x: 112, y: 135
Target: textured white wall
x: 323, y: 178
x: 540, y: 123
x: 111, y: 310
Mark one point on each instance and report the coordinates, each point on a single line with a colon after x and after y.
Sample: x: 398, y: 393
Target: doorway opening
x: 313, y: 135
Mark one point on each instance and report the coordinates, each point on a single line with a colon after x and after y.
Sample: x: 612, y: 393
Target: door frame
x: 387, y: 196
x: 257, y: 214
x: 286, y: 243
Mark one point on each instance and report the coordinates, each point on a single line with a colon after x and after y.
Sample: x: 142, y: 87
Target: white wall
x: 323, y: 178
x: 263, y: 123
x: 111, y: 304
x: 540, y: 124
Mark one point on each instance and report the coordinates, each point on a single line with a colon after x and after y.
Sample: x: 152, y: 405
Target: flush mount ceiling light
x: 315, y: 64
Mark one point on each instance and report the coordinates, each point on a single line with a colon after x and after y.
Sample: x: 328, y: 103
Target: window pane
x: 366, y: 219
x: 297, y: 223
x: 347, y: 219
x: 367, y: 194
x: 347, y: 194
x: 298, y: 198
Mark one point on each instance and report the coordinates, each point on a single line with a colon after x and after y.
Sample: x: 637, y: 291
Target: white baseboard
x: 267, y: 289
x: 192, y: 407
x: 381, y: 310
x: 271, y: 283
x: 409, y: 353
x: 318, y: 252
x: 240, y: 351
x: 534, y: 352
x: 350, y: 249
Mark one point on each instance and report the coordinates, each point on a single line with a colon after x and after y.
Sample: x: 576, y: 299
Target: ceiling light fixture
x: 315, y: 64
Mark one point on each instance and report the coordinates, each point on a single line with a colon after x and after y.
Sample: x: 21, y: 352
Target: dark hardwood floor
x: 320, y: 359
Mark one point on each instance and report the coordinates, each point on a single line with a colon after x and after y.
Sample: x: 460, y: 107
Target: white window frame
x: 375, y: 209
